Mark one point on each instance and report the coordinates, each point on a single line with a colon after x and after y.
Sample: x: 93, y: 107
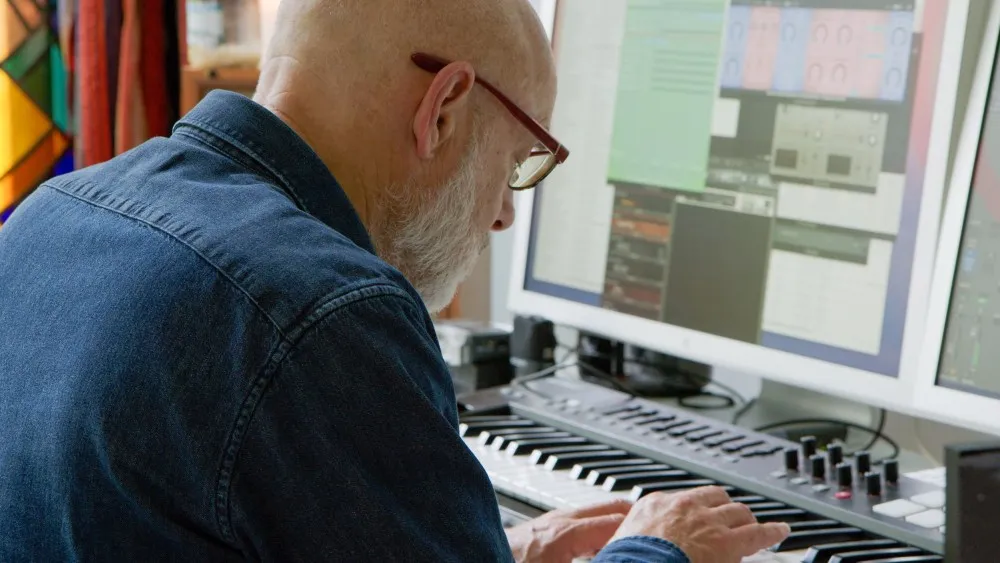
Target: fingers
x: 755, y: 537
x: 618, y: 506
x: 592, y: 534
x: 734, y: 515
x: 709, y: 496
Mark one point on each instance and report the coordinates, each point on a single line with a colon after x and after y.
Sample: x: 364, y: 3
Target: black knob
x: 845, y: 475
x: 863, y: 461
x: 873, y: 482
x: 792, y: 459
x: 835, y: 453
x: 890, y: 468
x: 818, y: 463
x: 808, y: 447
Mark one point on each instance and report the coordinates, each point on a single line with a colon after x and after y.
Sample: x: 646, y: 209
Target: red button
x: 842, y: 495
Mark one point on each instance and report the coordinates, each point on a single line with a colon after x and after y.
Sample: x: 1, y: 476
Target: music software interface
x: 762, y: 173
x: 970, y: 356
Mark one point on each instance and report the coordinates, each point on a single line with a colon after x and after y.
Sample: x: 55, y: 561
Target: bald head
x: 404, y: 140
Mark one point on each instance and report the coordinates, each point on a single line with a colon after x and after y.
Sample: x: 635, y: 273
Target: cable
x: 743, y: 411
x: 876, y: 433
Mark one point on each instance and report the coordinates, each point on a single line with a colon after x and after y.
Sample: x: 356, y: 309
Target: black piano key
x: 473, y: 427
x: 677, y: 423
x: 541, y: 455
x: 748, y: 499
x: 558, y: 462
x: 582, y: 470
x: 628, y: 480
x: 875, y: 554
x: 808, y: 538
x: 525, y: 447
x: 659, y: 418
x: 684, y: 430
x: 823, y: 553
x: 782, y: 515
x: 622, y: 408
x: 913, y: 559
x: 640, y: 491
x: 739, y: 446
x: 500, y: 443
x: 701, y: 435
x: 486, y: 437
x: 812, y: 524
x: 597, y: 476
x: 724, y: 439
x: 756, y: 507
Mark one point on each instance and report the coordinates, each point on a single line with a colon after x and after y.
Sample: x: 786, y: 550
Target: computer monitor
x: 959, y: 380
x: 752, y: 185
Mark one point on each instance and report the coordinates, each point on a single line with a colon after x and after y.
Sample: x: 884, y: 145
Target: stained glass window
x: 34, y: 116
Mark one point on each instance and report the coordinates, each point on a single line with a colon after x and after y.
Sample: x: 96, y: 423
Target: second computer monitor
x: 751, y: 185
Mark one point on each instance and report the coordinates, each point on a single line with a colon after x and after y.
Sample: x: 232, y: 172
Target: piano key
x: 782, y: 515
x: 542, y: 455
x: 748, y: 499
x: 582, y: 470
x: 501, y: 442
x: 640, y: 491
x: 684, y: 430
x: 724, y: 439
x: 823, y: 553
x: 874, y: 555
x: 734, y: 447
x: 812, y: 524
x: 475, y: 426
x: 597, y: 476
x: 486, y: 437
x: 807, y: 538
x: 913, y: 559
x: 568, y: 460
x: 626, y: 481
x: 756, y: 507
x: 699, y: 436
x: 525, y: 447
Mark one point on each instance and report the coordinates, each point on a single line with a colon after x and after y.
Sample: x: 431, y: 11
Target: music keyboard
x: 570, y: 444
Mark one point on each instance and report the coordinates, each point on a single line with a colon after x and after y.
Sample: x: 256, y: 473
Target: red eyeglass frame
x: 435, y: 64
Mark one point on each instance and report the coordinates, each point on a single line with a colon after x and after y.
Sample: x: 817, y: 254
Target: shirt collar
x: 252, y: 134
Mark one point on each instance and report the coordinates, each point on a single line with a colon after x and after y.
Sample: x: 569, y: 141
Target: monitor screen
x: 970, y: 355
x: 751, y: 170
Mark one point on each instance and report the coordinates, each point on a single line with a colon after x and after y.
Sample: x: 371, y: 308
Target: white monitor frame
x: 850, y: 383
x: 952, y: 406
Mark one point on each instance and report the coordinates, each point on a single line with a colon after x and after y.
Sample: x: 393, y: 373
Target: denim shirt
x: 203, y: 359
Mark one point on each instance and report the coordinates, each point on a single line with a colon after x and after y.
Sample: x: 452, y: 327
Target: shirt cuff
x: 641, y: 549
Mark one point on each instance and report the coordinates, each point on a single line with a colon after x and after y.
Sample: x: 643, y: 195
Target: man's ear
x: 443, y: 105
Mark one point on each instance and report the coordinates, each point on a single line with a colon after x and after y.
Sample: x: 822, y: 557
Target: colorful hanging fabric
x: 35, y: 126
x: 95, y: 134
x: 130, y: 113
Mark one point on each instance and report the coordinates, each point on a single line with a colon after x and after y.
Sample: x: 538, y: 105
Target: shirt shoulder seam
x: 180, y: 241
x: 333, y: 304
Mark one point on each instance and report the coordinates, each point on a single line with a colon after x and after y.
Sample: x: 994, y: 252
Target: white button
x: 933, y: 499
x: 897, y: 508
x: 927, y: 519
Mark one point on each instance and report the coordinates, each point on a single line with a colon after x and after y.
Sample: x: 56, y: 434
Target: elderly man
x: 217, y: 346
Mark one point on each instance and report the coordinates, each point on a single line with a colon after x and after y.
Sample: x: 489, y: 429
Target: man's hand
x: 562, y: 535
x: 704, y: 523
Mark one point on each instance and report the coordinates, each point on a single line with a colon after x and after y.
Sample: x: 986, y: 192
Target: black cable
x: 877, y: 433
x: 743, y: 411
x: 605, y: 376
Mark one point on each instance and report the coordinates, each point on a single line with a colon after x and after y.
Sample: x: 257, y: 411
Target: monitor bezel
x: 854, y: 384
x: 952, y: 406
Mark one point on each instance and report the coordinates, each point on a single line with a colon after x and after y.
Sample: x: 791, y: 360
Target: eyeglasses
x: 546, y: 154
